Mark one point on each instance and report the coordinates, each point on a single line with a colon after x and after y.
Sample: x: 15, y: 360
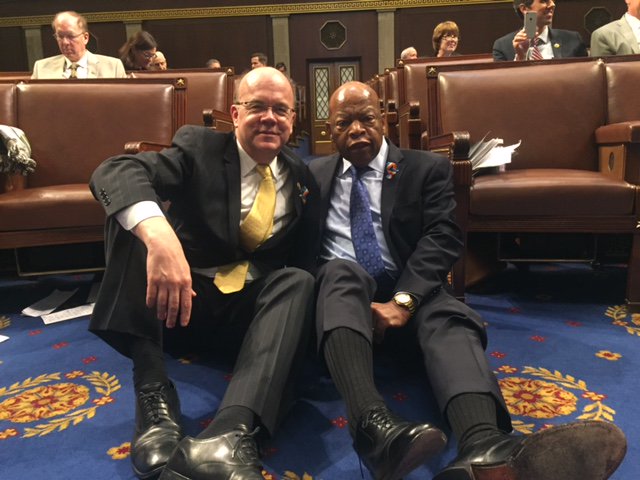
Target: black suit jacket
x: 417, y: 216
x: 200, y: 177
x: 565, y: 43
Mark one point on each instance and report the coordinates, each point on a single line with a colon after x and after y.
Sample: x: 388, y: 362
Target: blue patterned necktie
x: 363, y: 237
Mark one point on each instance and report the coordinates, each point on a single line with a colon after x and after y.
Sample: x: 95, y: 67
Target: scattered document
x: 3, y: 338
x: 48, y: 304
x: 68, y: 314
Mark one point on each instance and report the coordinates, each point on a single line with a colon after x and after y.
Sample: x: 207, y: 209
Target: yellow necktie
x: 74, y: 70
x: 254, y: 230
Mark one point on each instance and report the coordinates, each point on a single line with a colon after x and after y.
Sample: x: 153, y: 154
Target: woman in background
x: 446, y: 36
x: 138, y: 52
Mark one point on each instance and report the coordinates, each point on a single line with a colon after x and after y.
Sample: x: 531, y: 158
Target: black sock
x: 148, y: 362
x: 349, y: 357
x: 228, y: 419
x: 472, y: 416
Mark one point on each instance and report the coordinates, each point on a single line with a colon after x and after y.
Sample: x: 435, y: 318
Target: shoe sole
x: 152, y: 475
x: 171, y: 475
x: 598, y: 449
x: 423, y: 447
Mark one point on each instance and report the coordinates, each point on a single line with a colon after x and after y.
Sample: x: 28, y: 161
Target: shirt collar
x: 377, y: 164
x: 544, y: 35
x: 633, y: 22
x: 248, y: 164
x: 83, y: 62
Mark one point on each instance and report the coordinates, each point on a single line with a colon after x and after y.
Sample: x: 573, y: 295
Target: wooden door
x: 325, y: 77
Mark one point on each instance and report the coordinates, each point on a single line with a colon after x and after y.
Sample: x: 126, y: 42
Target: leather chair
x: 209, y: 89
x: 72, y: 127
x: 559, y: 182
x: 413, y: 101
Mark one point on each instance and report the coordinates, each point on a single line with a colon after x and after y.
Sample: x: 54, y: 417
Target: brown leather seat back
x: 624, y: 91
x: 7, y: 104
x: 74, y: 125
x: 391, y: 89
x: 553, y: 109
x: 206, y: 89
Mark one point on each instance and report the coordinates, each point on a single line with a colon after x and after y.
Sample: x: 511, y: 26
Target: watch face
x: 403, y: 298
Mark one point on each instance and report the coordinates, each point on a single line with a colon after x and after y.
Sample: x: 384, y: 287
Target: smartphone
x: 530, y: 23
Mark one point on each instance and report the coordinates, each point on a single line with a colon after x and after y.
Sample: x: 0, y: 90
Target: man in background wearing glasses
x: 75, y: 61
x: 215, y: 270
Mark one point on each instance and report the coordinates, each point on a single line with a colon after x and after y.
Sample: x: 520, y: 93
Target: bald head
x: 355, y: 122
x: 260, y: 78
x: 350, y: 92
x: 159, y: 62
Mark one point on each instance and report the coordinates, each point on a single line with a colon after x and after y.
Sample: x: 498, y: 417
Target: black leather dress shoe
x: 589, y: 450
x: 391, y: 447
x: 157, y: 428
x: 232, y: 456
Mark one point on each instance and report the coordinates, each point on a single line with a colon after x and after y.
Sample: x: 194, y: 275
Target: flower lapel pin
x: 303, y: 193
x: 391, y: 170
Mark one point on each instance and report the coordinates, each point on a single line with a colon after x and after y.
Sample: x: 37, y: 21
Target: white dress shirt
x: 250, y: 180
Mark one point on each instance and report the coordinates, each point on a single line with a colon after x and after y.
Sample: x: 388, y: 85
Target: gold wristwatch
x: 405, y: 300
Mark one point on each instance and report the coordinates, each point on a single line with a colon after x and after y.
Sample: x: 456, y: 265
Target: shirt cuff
x: 131, y: 216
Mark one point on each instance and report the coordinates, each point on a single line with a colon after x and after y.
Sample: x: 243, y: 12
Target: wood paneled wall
x: 189, y: 42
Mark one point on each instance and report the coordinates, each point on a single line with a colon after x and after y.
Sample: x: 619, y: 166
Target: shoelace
x: 380, y: 417
x: 154, y: 406
x: 246, y: 449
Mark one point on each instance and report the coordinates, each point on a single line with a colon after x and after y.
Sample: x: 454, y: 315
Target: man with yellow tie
x: 213, y: 270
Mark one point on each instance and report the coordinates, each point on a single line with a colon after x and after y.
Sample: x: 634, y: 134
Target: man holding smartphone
x: 544, y: 43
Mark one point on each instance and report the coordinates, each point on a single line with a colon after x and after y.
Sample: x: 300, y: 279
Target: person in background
x: 549, y: 42
x: 408, y: 53
x: 620, y: 37
x: 281, y: 67
x: 258, y: 60
x: 71, y: 31
x: 159, y: 62
x: 385, y: 240
x: 138, y: 52
x: 445, y: 39
x: 213, y: 63
x: 212, y: 272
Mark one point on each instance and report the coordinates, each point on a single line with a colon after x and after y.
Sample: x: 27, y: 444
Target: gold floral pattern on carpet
x: 44, y: 402
x: 45, y: 398
x: 537, y: 398
x: 549, y: 395
x: 619, y: 314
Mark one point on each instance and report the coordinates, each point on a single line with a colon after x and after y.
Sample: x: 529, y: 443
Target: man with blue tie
x: 386, y: 240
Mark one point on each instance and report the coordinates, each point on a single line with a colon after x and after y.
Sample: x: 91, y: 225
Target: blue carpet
x: 560, y: 344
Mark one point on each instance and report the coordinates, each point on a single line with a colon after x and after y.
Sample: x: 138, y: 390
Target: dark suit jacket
x: 200, y: 177
x: 566, y: 44
x: 417, y: 216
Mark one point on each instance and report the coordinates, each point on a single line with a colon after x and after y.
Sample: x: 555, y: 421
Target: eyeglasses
x: 148, y: 55
x: 280, y: 110
x: 65, y: 36
x: 450, y: 36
